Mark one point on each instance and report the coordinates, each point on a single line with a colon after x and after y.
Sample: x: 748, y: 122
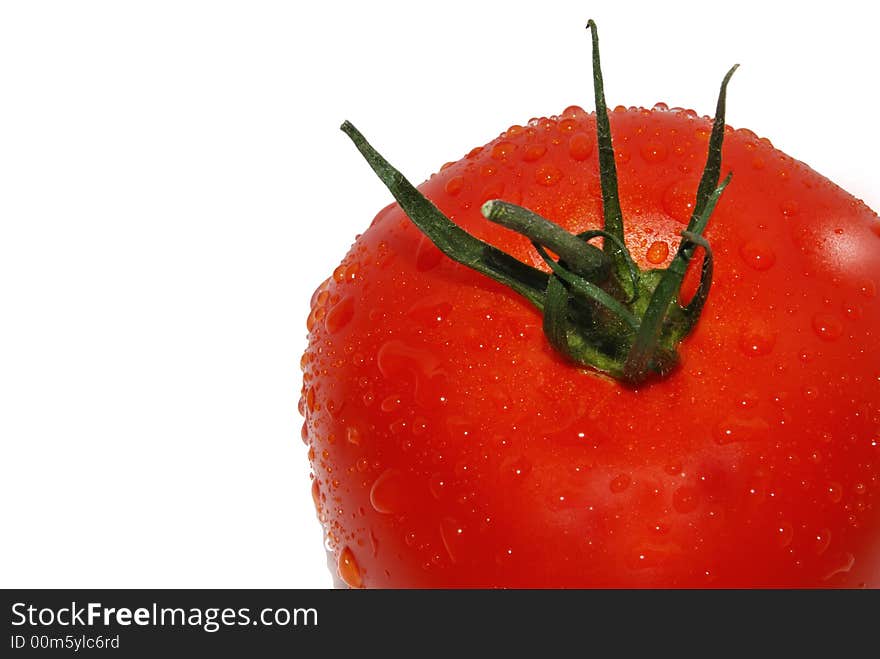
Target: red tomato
x: 452, y: 446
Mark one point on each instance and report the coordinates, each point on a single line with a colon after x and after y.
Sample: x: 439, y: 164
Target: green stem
x: 588, y: 291
x: 631, y: 267
x: 579, y: 256
x: 599, y: 308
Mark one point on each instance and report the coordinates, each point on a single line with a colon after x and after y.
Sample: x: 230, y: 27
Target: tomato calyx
x: 599, y: 308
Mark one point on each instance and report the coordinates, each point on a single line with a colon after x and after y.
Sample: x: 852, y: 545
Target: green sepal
x: 451, y: 239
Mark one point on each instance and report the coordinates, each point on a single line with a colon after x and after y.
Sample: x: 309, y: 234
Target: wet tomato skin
x: 452, y: 447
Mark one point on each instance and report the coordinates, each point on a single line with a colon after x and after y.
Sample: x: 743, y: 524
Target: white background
x: 173, y: 186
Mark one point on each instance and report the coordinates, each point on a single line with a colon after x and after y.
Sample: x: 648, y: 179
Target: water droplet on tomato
x: 821, y: 541
x: 748, y: 400
x: 429, y: 312
x: 736, y: 429
x: 494, y: 190
x: 757, y: 488
x: 454, y: 185
x: 339, y: 315
x: 503, y: 150
x: 806, y: 356
x: 349, y: 570
x: 757, y: 340
x: 657, y: 252
x: 304, y: 432
x: 678, y: 200
x: 562, y: 501
x: 789, y: 208
x: 438, y: 484
x: 645, y: 557
x: 533, y: 152
x: 868, y: 288
x: 339, y: 273
x: 428, y: 255
x: 842, y: 565
x: 419, y: 426
x: 827, y: 327
x: 620, y: 483
x: 321, y: 288
x: 685, y: 499
x: 504, y: 557
x: 391, y: 403
x: 758, y: 254
x: 548, y: 175
x: 316, y: 315
x: 654, y: 152
x: 784, y: 534
x: 316, y: 496
x: 389, y: 493
x: 659, y: 528
x: 515, y: 467
x: 834, y: 490
x: 353, y: 435
x: 853, y: 311
x: 580, y: 146
x: 464, y: 468
x: 574, y: 112
x: 398, y: 361
x: 453, y: 535
x: 810, y: 392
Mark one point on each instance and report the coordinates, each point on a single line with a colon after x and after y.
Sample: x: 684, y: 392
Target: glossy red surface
x: 452, y: 447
